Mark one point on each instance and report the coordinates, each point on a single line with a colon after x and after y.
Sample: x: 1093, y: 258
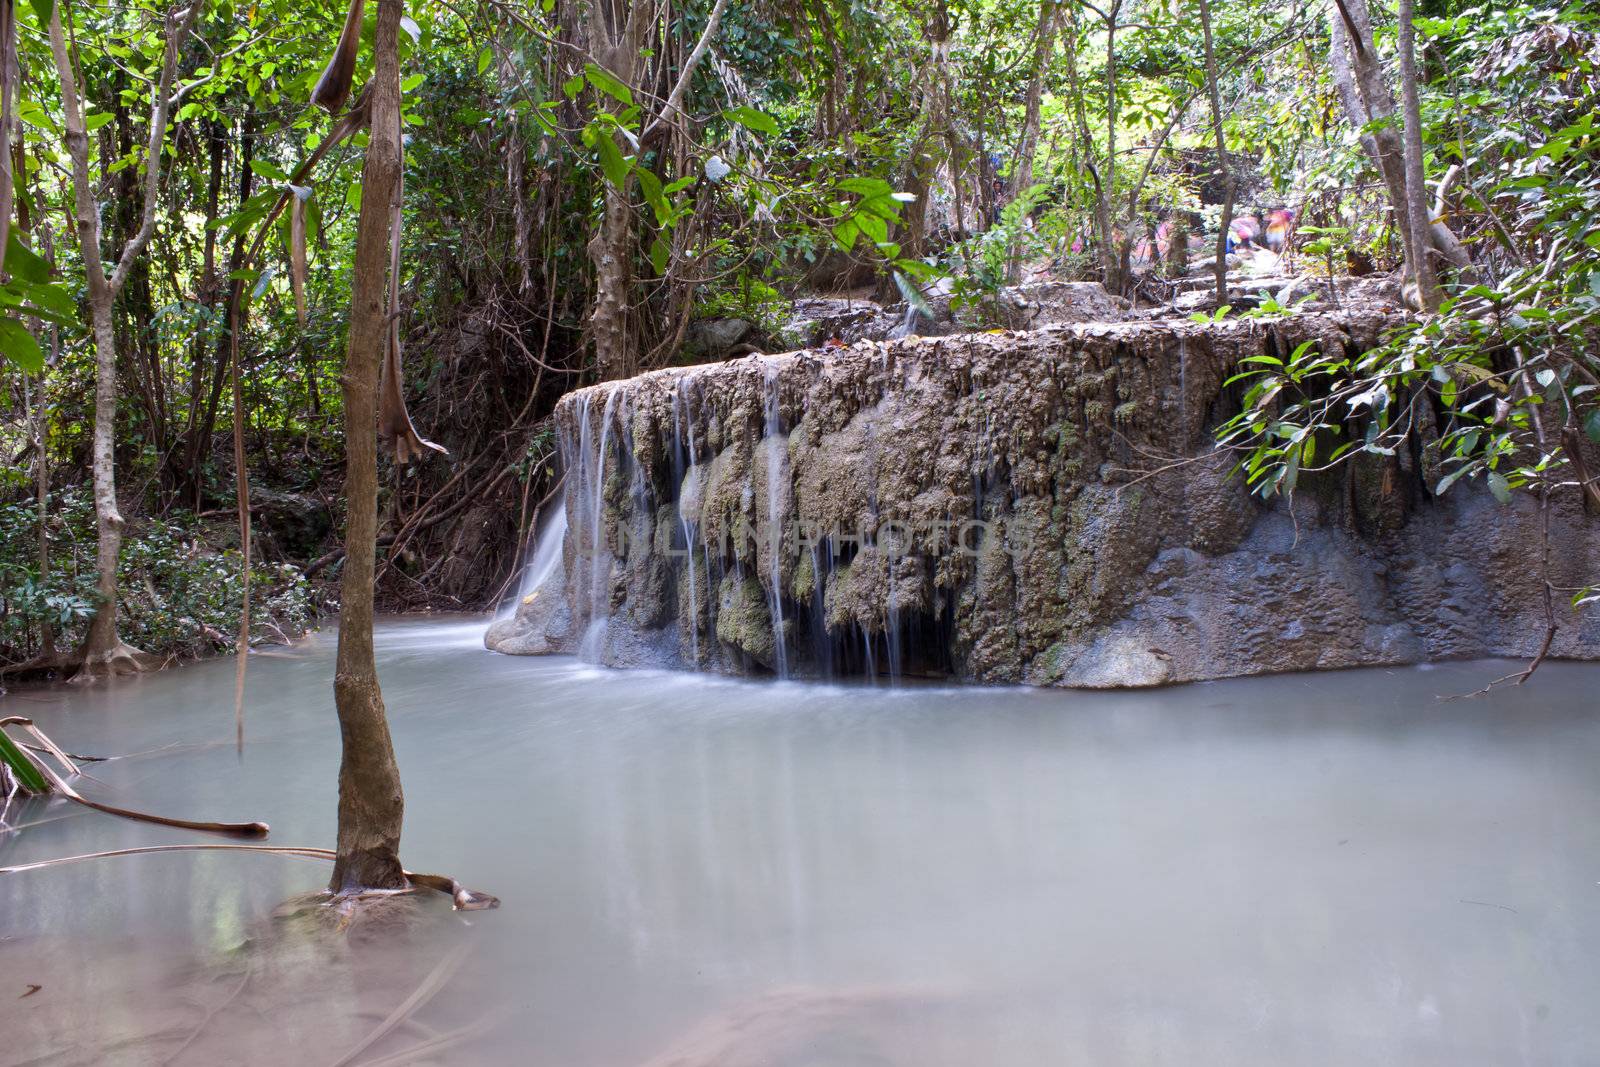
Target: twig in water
x: 442, y: 972
x: 1489, y: 904
x: 435, y: 1044
x: 211, y: 1014
x: 462, y: 899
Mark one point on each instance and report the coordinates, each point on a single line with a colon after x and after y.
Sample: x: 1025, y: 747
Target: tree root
x: 118, y: 660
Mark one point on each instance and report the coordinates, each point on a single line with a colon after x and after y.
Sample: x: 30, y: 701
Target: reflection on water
x: 698, y: 871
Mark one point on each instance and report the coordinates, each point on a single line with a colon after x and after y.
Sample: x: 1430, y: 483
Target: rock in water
x: 1043, y: 507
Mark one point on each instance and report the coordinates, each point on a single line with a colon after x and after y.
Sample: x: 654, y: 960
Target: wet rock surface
x: 1042, y: 507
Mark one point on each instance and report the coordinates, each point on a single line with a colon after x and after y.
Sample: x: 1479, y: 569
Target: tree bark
x: 1028, y: 144
x: 1364, y: 93
x: 1220, y: 268
x: 371, y: 804
x: 1105, y: 238
x: 1416, y: 205
x: 103, y: 651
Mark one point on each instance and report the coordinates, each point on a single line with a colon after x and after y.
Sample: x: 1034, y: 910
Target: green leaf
x: 53, y: 299
x: 612, y: 162
x: 1499, y: 487
x: 650, y: 185
x: 876, y: 229
x: 21, y: 765
x: 1591, y: 425
x: 485, y: 57
x: 22, y: 264
x: 19, y: 346
x: 411, y: 83
x: 1448, y: 480
x: 751, y: 119
x: 573, y: 86
x: 659, y: 254
x: 845, y: 234
x: 607, y: 83
x: 269, y: 170
x: 867, y: 187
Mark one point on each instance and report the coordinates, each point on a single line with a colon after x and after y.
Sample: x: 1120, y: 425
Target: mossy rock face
x: 1044, y: 507
x: 744, y: 621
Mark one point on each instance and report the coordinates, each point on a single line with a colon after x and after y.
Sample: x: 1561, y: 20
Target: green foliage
x: 1507, y: 371
x: 28, y: 776
x: 181, y: 593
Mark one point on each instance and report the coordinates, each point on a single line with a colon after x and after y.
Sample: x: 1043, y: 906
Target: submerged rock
x: 1042, y: 507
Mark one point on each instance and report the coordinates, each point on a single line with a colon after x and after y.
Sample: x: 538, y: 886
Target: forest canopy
x: 591, y: 190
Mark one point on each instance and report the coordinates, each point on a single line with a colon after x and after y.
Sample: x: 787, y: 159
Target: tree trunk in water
x: 371, y: 805
x: 1220, y: 269
x: 103, y: 650
x: 1416, y: 205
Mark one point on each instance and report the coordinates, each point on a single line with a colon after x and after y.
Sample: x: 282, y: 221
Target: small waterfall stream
x: 684, y: 459
x: 777, y: 479
x: 543, y: 559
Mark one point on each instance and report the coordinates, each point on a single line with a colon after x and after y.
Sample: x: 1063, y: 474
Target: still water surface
x: 1297, y: 870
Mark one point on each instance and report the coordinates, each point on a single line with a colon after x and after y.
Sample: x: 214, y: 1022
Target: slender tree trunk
x: 103, y: 651
x: 1028, y: 144
x: 1416, y: 204
x: 371, y: 804
x: 1220, y: 269
x: 1363, y: 91
x: 1105, y: 238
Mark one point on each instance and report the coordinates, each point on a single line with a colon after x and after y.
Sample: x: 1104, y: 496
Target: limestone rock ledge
x: 1042, y: 507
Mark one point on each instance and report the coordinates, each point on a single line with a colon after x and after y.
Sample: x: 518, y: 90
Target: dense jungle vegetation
x: 586, y: 183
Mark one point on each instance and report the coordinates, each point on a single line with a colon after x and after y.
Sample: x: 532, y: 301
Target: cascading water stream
x: 683, y: 434
x: 777, y: 474
x: 1183, y: 385
x: 543, y: 560
x: 593, y: 485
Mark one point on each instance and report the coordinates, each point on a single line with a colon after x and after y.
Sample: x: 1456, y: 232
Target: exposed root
x: 118, y: 660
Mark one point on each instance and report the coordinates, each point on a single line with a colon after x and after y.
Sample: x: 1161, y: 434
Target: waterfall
x: 776, y: 477
x: 683, y: 441
x: 1183, y: 386
x: 592, y: 492
x: 543, y: 560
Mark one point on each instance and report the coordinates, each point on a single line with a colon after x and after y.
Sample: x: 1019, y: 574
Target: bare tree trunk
x: 371, y: 804
x: 1359, y: 81
x: 611, y: 251
x: 103, y: 651
x: 1028, y: 144
x: 616, y: 33
x: 1104, y: 236
x: 1416, y: 204
x: 1113, y: 254
x: 1220, y: 268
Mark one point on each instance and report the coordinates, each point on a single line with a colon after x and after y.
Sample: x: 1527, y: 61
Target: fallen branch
x: 59, y: 784
x: 463, y: 899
